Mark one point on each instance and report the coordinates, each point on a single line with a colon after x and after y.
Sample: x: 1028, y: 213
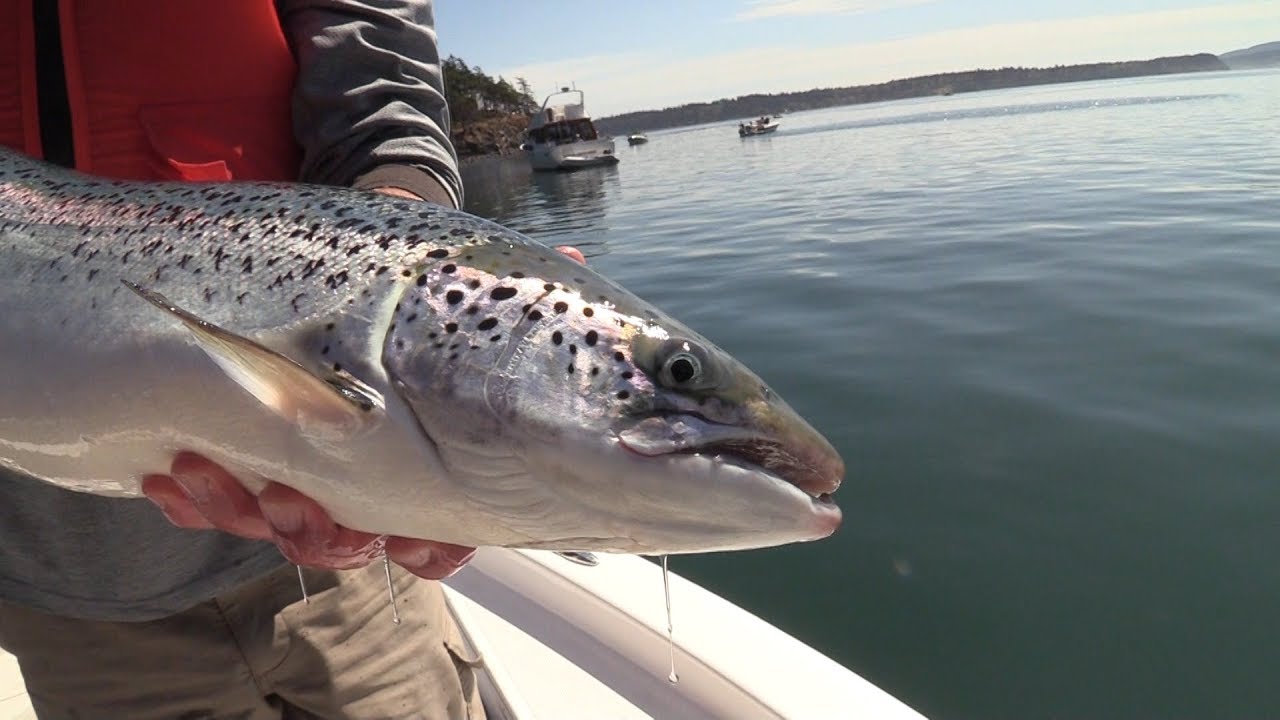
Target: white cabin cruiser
x: 562, y: 136
x: 562, y: 640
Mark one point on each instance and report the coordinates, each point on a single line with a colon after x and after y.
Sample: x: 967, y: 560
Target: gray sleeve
x: 369, y: 107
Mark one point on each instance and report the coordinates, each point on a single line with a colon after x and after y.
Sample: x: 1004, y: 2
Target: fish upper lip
x: 772, y: 457
x: 757, y: 452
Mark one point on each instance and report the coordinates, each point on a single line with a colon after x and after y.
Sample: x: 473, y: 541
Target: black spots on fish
x: 623, y: 394
x: 592, y: 337
x: 355, y: 249
x: 473, y: 309
x: 333, y: 242
x: 449, y: 269
x: 595, y: 371
x: 312, y: 267
x: 240, y: 298
x: 459, y: 232
x: 561, y: 307
x: 433, y: 335
x: 246, y: 266
x: 453, y: 297
x: 272, y: 261
x: 210, y: 292
x: 409, y: 273
x: 617, y: 355
x: 78, y: 248
x: 557, y: 337
x: 92, y: 272
x: 410, y: 318
x: 384, y: 243
x: 549, y: 287
x: 474, y: 284
x: 324, y: 350
x: 571, y: 368
x: 588, y: 312
x: 335, y: 280
x: 399, y: 343
x: 422, y: 279
x: 517, y: 274
x: 337, y: 367
x: 534, y: 316
x: 495, y: 338
x: 502, y: 292
x: 451, y: 327
x: 627, y: 374
x: 328, y: 327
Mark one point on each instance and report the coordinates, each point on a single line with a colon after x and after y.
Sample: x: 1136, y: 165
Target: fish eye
x: 682, y: 368
x: 685, y: 365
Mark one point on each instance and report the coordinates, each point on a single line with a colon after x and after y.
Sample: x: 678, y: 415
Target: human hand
x: 198, y: 493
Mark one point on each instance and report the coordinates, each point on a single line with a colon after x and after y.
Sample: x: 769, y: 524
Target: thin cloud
x: 760, y: 9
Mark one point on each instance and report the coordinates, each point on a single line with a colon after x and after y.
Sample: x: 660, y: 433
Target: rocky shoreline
x: 498, y: 135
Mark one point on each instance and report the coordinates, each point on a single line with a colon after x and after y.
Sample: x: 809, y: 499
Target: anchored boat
x: 561, y: 135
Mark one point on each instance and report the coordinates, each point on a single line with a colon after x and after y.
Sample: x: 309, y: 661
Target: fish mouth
x: 813, y: 468
x: 774, y: 459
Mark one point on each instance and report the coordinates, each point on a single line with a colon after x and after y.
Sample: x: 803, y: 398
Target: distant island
x: 1258, y: 56
x: 490, y: 114
x: 749, y: 106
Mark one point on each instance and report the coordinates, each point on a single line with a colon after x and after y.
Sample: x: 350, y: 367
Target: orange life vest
x: 159, y: 89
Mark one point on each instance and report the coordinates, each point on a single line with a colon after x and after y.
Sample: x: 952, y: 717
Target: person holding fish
x: 115, y: 610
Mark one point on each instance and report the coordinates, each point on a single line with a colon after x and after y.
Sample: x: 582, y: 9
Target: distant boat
x: 637, y: 139
x: 760, y: 126
x: 562, y: 136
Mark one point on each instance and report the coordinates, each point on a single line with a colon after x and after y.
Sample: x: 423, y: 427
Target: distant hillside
x: 749, y: 106
x: 1258, y: 56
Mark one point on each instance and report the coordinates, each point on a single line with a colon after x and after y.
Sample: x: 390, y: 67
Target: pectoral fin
x: 328, y: 408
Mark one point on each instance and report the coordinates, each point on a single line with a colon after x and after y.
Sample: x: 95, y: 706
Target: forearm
x: 369, y: 108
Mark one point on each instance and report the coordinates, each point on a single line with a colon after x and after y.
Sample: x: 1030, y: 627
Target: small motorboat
x: 637, y: 139
x: 759, y: 126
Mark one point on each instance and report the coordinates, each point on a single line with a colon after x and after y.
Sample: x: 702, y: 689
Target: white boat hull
x: 561, y: 640
x: 572, y: 156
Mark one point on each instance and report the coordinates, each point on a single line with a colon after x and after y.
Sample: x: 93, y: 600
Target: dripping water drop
x: 671, y: 638
x: 391, y: 590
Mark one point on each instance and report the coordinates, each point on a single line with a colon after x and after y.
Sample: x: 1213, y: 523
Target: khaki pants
x: 257, y: 652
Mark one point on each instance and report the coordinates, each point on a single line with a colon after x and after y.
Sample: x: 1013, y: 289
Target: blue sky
x: 649, y: 54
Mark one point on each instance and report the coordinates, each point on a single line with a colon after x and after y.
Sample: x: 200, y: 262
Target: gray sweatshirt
x: 369, y: 111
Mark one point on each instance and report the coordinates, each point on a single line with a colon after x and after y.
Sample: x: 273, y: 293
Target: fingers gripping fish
x: 418, y: 371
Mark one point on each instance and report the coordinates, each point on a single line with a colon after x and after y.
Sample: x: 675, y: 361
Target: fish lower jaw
x: 823, y: 505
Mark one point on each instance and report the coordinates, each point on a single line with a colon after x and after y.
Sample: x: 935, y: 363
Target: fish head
x: 576, y: 416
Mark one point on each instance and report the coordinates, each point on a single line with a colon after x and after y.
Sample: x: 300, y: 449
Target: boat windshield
x: 566, y: 131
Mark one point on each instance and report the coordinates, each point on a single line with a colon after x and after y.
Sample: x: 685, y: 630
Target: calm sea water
x: 1042, y: 325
